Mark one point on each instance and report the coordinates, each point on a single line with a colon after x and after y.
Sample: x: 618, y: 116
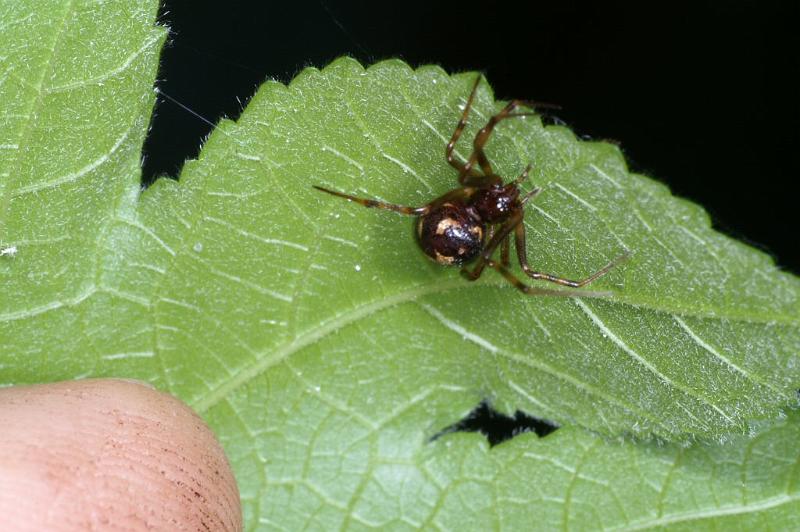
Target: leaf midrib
x: 329, y: 326
x: 314, y: 335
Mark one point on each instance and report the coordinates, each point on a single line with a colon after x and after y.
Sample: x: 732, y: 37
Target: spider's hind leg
x: 536, y: 291
x: 375, y: 204
x: 500, y: 237
x: 519, y: 234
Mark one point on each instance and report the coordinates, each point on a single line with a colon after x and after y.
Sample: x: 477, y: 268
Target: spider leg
x: 504, y: 246
x: 519, y: 233
x: 504, y: 251
x: 497, y: 238
x: 536, y: 291
x: 457, y: 134
x: 524, y: 175
x: 478, y: 155
x: 530, y: 195
x: 413, y: 211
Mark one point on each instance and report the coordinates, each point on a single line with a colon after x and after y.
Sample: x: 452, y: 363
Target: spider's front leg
x: 448, y: 152
x: 480, y: 140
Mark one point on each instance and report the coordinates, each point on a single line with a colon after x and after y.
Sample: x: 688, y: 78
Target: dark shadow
x: 498, y: 427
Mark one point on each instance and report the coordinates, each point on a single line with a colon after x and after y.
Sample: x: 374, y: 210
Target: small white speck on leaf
x: 198, y: 247
x: 358, y: 267
x: 9, y: 251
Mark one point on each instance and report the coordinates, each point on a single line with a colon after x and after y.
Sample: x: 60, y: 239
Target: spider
x: 454, y: 228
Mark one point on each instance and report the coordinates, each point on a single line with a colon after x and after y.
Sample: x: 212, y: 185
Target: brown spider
x: 452, y: 229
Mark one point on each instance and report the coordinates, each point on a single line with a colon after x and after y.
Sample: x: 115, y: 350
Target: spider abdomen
x: 449, y: 234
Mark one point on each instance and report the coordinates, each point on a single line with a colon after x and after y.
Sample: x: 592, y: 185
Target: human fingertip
x: 110, y: 453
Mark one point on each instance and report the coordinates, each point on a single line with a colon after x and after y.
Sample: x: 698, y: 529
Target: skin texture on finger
x: 110, y: 455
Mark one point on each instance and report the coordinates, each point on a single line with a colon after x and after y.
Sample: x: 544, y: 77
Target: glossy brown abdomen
x: 449, y: 235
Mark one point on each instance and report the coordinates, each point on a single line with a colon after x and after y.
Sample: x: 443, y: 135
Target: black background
x: 702, y: 96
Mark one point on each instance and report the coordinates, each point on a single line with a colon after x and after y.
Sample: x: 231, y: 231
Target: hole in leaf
x: 498, y: 427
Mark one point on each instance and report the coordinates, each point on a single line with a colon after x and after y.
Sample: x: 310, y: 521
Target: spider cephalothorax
x: 470, y: 222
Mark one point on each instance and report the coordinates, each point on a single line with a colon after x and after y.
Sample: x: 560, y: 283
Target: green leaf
x: 322, y: 347
x: 571, y: 479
